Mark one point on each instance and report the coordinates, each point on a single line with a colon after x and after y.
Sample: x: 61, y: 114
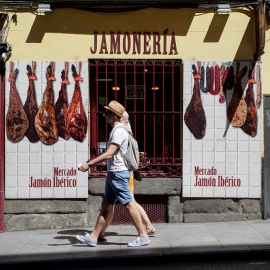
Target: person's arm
x: 105, y: 156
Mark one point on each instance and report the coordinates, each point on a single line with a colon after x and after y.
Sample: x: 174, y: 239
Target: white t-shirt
x: 118, y: 136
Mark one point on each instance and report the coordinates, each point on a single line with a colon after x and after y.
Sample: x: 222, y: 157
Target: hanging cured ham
x: 214, y: 73
x: 229, y: 81
x: 16, y: 118
x: 76, y: 117
x: 258, y: 85
x: 61, y: 107
x: 223, y: 76
x: 250, y: 126
x: 237, y: 109
x: 45, y: 120
x: 30, y: 105
x: 208, y: 80
x: 194, y: 116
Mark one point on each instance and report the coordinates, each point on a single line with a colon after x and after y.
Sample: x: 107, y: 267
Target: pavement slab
x: 169, y: 240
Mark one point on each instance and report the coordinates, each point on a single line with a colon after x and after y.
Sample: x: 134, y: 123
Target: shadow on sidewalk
x: 70, y: 236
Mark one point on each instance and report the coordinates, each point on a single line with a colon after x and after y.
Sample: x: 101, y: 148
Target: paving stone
x: 170, y: 239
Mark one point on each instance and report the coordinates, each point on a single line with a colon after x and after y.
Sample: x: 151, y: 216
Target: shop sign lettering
x: 135, y: 43
x: 61, y: 178
x: 139, y: 92
x: 207, y: 177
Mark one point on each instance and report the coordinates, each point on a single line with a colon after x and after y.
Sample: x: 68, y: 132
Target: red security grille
x: 155, y: 207
x: 151, y: 93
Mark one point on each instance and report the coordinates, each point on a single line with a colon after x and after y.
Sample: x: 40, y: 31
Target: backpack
x: 131, y: 157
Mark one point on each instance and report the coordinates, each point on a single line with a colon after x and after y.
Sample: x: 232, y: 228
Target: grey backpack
x: 131, y: 157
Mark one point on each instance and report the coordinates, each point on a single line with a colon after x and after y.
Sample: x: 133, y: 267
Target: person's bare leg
x: 102, y: 220
x: 108, y: 222
x: 136, y: 218
x: 145, y: 218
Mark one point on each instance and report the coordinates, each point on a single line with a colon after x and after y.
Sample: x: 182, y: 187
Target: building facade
x: 192, y: 79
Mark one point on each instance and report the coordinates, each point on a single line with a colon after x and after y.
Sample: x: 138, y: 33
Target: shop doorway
x: 151, y: 92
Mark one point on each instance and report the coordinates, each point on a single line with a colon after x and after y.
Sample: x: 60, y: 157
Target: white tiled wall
x: 24, y: 159
x: 236, y: 155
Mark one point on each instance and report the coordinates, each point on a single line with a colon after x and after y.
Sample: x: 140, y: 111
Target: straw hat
x: 115, y: 107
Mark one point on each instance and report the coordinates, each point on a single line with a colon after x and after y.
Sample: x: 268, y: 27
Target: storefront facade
x: 184, y: 75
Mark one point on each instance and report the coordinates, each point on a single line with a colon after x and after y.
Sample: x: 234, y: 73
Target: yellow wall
x: 67, y: 34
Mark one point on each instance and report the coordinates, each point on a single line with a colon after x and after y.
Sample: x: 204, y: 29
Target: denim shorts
x: 117, y: 188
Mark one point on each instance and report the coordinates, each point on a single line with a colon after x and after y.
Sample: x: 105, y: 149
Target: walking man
x: 116, y: 187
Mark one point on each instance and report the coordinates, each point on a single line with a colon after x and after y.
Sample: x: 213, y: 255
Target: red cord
x: 33, y: 77
x: 52, y: 77
x: 217, y: 85
x: 252, y: 76
x: 10, y: 79
x: 198, y: 71
x: 65, y: 81
x: 79, y: 78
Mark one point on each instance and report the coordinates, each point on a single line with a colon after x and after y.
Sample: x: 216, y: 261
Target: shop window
x: 150, y: 90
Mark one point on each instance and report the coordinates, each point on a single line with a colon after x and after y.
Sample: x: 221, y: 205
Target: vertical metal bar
x: 106, y: 74
x: 173, y: 107
x: 96, y: 114
x: 115, y: 73
x: 144, y: 115
x: 163, y: 108
x: 154, y: 116
x: 89, y: 114
x: 154, y: 85
x: 125, y: 71
x: 135, y: 115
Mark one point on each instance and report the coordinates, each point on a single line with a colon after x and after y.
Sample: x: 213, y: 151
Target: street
x: 222, y: 261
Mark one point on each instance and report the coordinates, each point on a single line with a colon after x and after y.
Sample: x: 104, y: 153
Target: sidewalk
x: 170, y: 239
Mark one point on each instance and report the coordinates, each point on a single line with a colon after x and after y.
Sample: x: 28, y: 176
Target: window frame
x: 152, y: 166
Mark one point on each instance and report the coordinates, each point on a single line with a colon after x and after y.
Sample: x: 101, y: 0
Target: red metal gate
x: 155, y: 207
x: 150, y: 90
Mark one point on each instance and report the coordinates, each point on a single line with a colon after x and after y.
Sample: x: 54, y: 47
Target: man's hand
x: 104, y: 157
x: 84, y: 167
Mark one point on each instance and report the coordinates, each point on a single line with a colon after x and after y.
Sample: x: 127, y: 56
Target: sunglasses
x: 107, y: 112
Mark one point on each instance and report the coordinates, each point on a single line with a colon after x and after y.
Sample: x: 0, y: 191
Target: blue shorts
x: 117, y: 188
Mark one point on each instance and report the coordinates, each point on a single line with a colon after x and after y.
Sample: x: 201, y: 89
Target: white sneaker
x: 87, y: 239
x: 139, y: 241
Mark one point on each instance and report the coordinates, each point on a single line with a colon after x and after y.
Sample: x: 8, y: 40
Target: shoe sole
x: 145, y: 243
x: 152, y: 231
x: 86, y: 242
